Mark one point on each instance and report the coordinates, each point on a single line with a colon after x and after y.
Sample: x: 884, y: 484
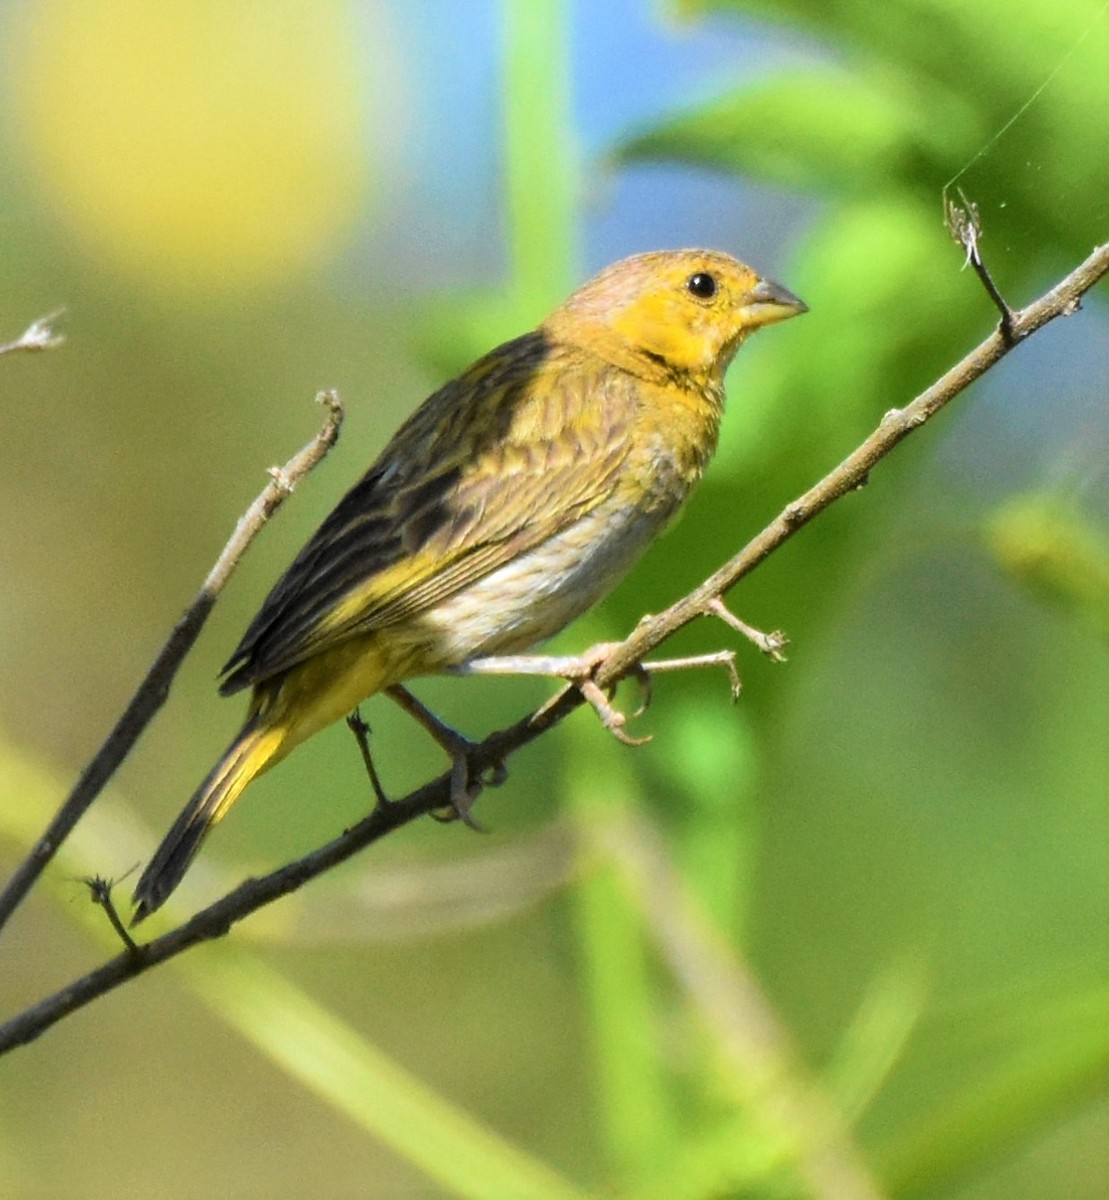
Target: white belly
x: 534, y: 597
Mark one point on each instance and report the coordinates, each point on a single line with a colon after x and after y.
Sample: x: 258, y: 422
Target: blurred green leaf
x: 733, y: 1157
x: 1043, y: 544
x: 313, y: 1045
x: 1018, y: 82
x: 820, y: 128
x: 711, y: 758
x: 875, y: 1039
x: 635, y: 1115
x: 540, y: 164
x: 1064, y: 1064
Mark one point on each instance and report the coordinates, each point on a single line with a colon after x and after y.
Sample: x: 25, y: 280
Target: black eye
x: 701, y: 285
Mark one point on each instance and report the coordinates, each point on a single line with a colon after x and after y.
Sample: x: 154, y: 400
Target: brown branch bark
x: 154, y: 689
x: 852, y: 473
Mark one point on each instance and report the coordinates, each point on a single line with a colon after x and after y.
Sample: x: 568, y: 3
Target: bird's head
x: 684, y: 311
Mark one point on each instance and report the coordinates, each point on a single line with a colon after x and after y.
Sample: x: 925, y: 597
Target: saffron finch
x: 510, y: 502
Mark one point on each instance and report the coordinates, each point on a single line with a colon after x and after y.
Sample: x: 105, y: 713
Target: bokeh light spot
x: 202, y: 146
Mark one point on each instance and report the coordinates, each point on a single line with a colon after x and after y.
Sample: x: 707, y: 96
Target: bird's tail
x: 256, y: 747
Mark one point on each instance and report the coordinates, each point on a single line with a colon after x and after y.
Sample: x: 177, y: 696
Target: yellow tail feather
x: 283, y: 713
x: 255, y: 748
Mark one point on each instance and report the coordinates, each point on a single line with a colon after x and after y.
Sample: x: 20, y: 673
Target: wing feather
x: 523, y: 444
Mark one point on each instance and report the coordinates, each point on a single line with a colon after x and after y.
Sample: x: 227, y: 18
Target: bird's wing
x: 523, y: 444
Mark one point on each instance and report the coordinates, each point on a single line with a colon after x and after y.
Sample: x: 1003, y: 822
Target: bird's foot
x: 466, y: 783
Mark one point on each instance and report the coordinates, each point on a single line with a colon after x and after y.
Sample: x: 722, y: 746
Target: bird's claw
x: 642, y: 677
x: 611, y: 718
x: 466, y: 786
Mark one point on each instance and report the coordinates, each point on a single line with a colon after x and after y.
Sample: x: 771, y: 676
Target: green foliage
x: 1058, y: 1059
x: 822, y: 128
x: 923, y: 90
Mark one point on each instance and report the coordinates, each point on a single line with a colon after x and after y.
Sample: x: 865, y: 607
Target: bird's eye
x: 701, y: 285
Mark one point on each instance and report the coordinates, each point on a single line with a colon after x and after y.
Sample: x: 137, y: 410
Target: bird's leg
x: 459, y: 750
x: 361, y: 732
x: 771, y: 644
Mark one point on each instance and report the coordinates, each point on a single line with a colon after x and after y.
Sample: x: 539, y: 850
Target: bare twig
x: 154, y: 689
x: 100, y: 892
x: 771, y: 644
x: 39, y: 335
x: 965, y: 226
x: 361, y: 731
x: 851, y: 474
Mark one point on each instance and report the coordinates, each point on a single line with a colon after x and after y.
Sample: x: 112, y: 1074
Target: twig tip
x: 39, y: 335
x: 100, y: 892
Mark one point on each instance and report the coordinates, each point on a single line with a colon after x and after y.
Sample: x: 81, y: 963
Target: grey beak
x: 778, y: 302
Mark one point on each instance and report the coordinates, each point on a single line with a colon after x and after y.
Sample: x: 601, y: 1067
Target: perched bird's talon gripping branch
x: 510, y: 502
x: 611, y: 718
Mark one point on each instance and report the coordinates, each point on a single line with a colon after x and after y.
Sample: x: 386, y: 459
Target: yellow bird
x: 509, y: 503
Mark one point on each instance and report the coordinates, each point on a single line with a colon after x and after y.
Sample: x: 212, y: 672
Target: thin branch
x: 965, y: 226
x: 851, y: 474
x: 154, y: 689
x: 39, y: 335
x: 100, y: 892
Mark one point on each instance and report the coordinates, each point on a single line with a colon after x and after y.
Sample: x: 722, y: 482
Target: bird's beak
x: 768, y: 302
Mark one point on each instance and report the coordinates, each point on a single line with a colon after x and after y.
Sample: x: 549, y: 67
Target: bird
x: 510, y: 502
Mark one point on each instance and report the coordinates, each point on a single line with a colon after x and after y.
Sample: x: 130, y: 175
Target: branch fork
x: 771, y: 644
